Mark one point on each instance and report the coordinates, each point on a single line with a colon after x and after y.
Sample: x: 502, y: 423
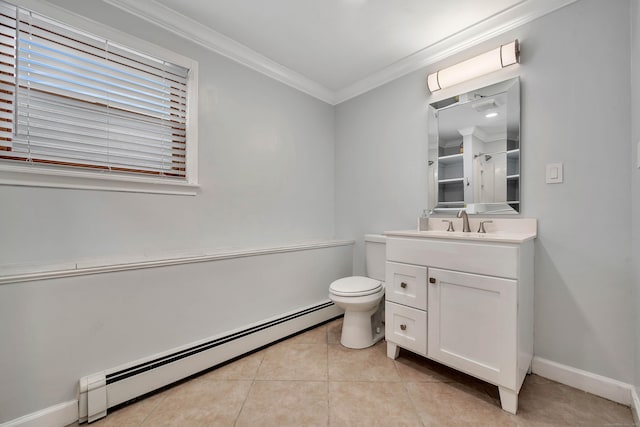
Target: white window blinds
x: 70, y: 99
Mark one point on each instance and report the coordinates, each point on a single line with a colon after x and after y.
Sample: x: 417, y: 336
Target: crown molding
x: 170, y: 20
x: 521, y: 13
x: 516, y: 16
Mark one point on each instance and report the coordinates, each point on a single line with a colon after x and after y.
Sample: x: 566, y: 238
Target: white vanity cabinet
x: 466, y: 303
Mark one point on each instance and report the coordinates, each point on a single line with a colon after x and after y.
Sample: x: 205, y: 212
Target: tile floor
x: 311, y: 380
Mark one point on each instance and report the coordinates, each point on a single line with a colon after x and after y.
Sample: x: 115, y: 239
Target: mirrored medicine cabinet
x: 474, y: 151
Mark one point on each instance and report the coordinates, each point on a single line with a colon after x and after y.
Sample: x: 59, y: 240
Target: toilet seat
x: 356, y: 286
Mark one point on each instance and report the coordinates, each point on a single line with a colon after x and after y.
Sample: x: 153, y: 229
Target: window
x: 71, y: 101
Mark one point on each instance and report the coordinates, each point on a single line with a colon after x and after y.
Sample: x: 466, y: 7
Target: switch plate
x: 554, y: 173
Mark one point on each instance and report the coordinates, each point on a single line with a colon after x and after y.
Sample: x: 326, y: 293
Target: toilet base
x: 362, y: 329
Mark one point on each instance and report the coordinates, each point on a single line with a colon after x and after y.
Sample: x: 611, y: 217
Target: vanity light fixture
x: 494, y: 60
x: 492, y: 114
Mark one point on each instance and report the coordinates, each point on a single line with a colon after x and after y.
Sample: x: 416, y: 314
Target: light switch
x: 554, y: 173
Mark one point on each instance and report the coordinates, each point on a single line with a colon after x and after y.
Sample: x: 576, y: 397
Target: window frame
x: 43, y: 175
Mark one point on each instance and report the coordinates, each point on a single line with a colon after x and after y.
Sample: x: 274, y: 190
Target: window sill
x: 18, y: 175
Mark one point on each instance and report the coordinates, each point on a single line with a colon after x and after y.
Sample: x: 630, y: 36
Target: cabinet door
x: 472, y: 324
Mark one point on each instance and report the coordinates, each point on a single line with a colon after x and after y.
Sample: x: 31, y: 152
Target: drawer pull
x: 432, y: 280
x: 403, y: 285
x: 403, y: 327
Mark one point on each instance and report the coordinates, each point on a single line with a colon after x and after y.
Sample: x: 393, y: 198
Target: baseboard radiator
x: 112, y: 387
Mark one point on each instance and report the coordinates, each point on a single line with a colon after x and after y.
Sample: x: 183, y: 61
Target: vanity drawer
x: 406, y: 284
x: 491, y: 259
x: 406, y: 327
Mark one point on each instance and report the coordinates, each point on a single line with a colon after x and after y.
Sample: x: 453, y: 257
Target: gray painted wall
x: 635, y: 172
x: 255, y: 134
x: 55, y: 332
x: 266, y: 163
x: 583, y: 310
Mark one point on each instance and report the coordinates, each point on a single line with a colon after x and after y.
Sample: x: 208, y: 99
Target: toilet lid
x: 355, y: 286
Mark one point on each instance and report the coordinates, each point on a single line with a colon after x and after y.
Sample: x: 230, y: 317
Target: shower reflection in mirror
x: 474, y: 151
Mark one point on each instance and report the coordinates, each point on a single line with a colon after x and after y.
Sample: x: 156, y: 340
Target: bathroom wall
x: 635, y: 174
x: 56, y: 331
x: 575, y: 78
x: 266, y: 168
x: 254, y: 135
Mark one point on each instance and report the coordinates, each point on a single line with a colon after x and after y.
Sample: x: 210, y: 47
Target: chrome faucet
x: 465, y: 220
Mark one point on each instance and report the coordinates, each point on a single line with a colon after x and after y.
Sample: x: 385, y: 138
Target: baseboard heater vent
x: 112, y: 387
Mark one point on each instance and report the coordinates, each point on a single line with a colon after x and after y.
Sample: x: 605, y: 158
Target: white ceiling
x: 337, y: 49
x: 337, y: 42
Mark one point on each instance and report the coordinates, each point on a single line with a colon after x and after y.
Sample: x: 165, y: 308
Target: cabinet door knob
x: 403, y: 285
x: 432, y: 280
x: 403, y: 327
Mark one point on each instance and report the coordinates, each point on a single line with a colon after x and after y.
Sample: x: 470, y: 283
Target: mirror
x: 474, y: 151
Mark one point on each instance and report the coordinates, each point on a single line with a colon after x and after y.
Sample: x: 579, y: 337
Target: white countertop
x: 509, y: 230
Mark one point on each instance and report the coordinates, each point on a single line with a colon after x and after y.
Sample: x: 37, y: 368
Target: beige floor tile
x: 201, y: 403
x: 287, y: 361
x: 132, y: 415
x: 456, y: 404
x: 291, y: 388
x: 594, y: 410
x: 314, y: 336
x: 370, y: 404
x: 285, y: 403
x: 244, y: 368
x: 537, y: 379
x: 334, y: 331
x: 369, y: 364
x: 547, y: 402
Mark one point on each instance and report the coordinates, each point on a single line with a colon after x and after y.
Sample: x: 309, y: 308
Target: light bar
x: 494, y: 60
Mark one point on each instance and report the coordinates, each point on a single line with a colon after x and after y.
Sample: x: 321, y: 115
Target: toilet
x: 361, y: 298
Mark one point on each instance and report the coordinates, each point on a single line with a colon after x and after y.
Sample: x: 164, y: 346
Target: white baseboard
x: 60, y: 415
x: 599, y: 385
x: 635, y: 405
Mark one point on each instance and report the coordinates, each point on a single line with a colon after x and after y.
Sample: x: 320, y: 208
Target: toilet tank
x: 375, y: 255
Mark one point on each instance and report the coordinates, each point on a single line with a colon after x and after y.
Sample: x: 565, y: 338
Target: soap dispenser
x: 423, y: 221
